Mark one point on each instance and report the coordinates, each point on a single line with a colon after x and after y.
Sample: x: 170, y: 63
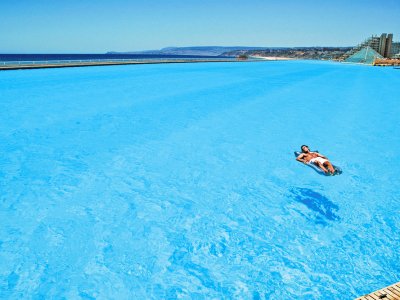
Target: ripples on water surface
x: 168, y: 181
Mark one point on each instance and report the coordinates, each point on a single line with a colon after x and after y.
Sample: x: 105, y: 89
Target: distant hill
x: 315, y: 52
x: 196, y: 50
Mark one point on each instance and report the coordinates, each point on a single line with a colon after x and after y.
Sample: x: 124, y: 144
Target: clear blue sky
x: 97, y: 26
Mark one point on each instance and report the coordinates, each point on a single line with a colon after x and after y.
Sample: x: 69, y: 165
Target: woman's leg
x: 321, y: 166
x: 330, y: 167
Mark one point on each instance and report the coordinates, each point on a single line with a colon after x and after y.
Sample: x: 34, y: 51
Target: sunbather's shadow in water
x: 325, y: 209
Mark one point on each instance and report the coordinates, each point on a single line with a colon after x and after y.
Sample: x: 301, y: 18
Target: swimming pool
x: 168, y: 181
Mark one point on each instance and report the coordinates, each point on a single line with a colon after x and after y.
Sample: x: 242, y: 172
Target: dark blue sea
x: 47, y: 57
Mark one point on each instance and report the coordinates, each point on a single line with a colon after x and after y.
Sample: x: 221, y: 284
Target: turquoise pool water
x: 179, y: 181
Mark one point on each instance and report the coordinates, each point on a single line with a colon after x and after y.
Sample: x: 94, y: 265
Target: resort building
x: 375, y: 47
x: 396, y: 50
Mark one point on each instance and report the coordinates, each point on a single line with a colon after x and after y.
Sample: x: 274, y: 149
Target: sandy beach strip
x: 271, y: 57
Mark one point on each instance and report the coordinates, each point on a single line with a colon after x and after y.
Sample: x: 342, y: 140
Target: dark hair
x: 303, y: 146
